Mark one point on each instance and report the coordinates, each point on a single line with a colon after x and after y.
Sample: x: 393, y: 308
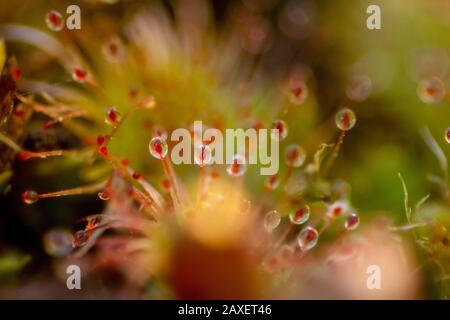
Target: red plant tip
x: 18, y: 112
x: 49, y: 124
x: 125, y: 162
x: 30, y: 196
x: 166, y: 184
x: 79, y: 75
x: 215, y: 175
x: 101, y: 140
x: 24, y: 155
x: 16, y: 73
x: 103, y: 151
x: 136, y: 175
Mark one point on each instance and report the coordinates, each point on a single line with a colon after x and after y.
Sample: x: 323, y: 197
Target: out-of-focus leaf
x: 4, y: 179
x: 12, y: 262
x: 2, y: 54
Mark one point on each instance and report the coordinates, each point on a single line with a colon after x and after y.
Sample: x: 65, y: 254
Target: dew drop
x: 57, y: 242
x: 112, y: 116
x: 202, y: 155
x: 298, y: 93
x: 352, y: 222
x: 114, y: 49
x: 30, y: 196
x: 307, y: 238
x: 271, y: 220
x: 282, y: 128
x: 238, y: 166
x: 431, y: 91
x: 337, y: 209
x: 447, y: 135
x: 104, y: 195
x: 300, y: 216
x: 79, y: 75
x: 295, y: 155
x: 345, y: 119
x: 136, y: 175
x: 158, y: 147
x: 272, y: 182
x: 54, y: 20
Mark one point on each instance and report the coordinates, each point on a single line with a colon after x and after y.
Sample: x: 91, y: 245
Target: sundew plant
x: 92, y: 93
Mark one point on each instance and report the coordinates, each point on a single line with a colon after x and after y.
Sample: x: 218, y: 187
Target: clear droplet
x: 79, y: 75
x: 202, y: 155
x: 282, y: 129
x: 238, y: 166
x: 112, y: 116
x: 307, y: 238
x: 114, y: 49
x: 295, y: 155
x: 352, y: 222
x: 337, y: 209
x: 431, y: 91
x: 158, y: 148
x: 298, y: 93
x: 300, y: 216
x: 104, y: 195
x: 30, y: 196
x: 271, y: 220
x: 447, y: 135
x: 345, y: 119
x: 58, y: 242
x: 272, y: 182
x: 54, y: 20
